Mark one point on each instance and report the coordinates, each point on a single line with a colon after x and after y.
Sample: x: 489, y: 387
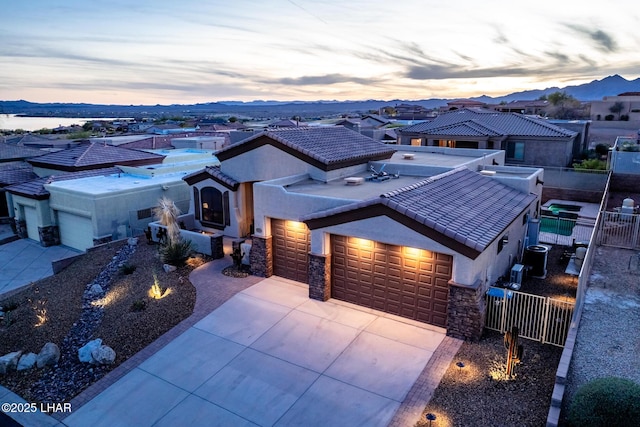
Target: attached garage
x: 407, y: 282
x: 31, y: 217
x: 75, y: 231
x: 291, y: 246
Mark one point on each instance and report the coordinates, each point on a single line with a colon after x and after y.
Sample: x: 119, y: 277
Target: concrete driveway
x: 271, y: 356
x: 24, y: 261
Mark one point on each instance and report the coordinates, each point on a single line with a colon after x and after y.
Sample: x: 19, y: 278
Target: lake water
x: 11, y: 121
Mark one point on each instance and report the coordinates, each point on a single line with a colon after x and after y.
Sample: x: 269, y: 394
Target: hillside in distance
x: 595, y: 90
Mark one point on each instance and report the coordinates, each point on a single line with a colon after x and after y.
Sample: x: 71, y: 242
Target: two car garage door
x: 411, y: 283
x: 408, y: 282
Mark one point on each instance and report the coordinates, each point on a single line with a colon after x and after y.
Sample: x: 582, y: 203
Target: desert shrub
x: 10, y: 305
x: 602, y: 149
x: 591, y: 164
x: 606, y: 402
x: 176, y: 253
x: 608, y: 117
x: 128, y: 269
x: 138, y: 305
x: 624, y: 118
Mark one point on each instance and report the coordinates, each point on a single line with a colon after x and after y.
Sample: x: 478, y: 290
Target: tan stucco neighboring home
x: 418, y: 232
x: 526, y: 140
x: 628, y: 101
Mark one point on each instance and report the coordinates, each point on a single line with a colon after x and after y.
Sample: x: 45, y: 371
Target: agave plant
x: 167, y: 213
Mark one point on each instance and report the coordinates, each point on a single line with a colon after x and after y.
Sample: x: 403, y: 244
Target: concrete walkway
x: 260, y: 352
x: 25, y: 261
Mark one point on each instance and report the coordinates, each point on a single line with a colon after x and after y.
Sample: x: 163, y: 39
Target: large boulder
x: 48, y: 356
x: 84, y: 352
x: 27, y: 361
x: 9, y: 361
x: 103, y: 355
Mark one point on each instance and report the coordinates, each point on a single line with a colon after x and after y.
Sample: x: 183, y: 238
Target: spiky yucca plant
x: 167, y: 213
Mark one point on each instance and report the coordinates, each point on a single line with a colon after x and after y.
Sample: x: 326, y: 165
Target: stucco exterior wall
x: 272, y: 200
x: 263, y: 163
x: 111, y: 212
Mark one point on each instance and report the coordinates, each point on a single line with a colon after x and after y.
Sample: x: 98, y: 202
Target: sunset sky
x: 149, y: 52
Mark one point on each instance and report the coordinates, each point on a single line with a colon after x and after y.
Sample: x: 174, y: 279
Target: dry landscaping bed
x: 479, y: 394
x: 131, y: 319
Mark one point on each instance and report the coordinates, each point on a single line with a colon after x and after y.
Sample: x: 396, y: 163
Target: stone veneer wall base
x: 466, y: 311
x: 319, y: 277
x: 261, y: 256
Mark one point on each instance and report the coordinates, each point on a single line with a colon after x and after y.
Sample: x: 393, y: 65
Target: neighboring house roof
x: 10, y: 152
x: 88, y: 156
x: 288, y: 124
x: 326, y: 148
x: 505, y: 124
x: 35, y: 189
x: 16, y: 176
x: 212, y: 172
x: 460, y: 209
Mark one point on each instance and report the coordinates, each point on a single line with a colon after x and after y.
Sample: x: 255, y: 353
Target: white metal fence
x: 538, y: 318
x: 621, y: 230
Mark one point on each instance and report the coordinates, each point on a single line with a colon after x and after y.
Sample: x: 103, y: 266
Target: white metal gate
x: 538, y: 318
x: 621, y: 230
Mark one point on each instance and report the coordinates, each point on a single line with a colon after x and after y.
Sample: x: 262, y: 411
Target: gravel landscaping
x: 480, y: 394
x: 126, y: 316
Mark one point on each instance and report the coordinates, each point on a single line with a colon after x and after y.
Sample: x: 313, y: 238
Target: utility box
x: 516, y: 274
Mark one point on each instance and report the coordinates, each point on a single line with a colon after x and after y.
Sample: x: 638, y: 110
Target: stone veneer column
x: 49, y: 236
x: 21, y: 228
x: 261, y: 256
x: 319, y: 277
x: 217, y: 250
x: 466, y: 311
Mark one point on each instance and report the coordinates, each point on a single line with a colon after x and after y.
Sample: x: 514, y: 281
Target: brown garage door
x: 408, y: 282
x: 291, y: 246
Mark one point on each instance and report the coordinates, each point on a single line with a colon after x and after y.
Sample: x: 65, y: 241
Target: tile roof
x: 331, y: 147
x: 94, y: 156
x: 508, y: 124
x: 35, y: 189
x: 462, y: 206
x: 212, y: 172
x: 18, y: 152
x: 16, y: 176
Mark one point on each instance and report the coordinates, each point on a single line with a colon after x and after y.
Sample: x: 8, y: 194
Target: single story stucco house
x: 418, y: 232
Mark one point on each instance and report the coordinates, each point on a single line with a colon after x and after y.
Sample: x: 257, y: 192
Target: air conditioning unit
x: 516, y: 273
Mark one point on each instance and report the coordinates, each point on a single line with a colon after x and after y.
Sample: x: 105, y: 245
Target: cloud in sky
x: 115, y: 51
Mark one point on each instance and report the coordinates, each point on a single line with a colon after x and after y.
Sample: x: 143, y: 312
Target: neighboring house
x: 526, y: 140
x: 534, y: 108
x: 371, y: 125
x: 420, y: 233
x: 83, y: 199
x: 458, y: 104
x: 628, y: 101
x: 12, y: 173
x: 88, y: 156
x: 287, y: 124
x: 13, y: 170
x: 412, y: 112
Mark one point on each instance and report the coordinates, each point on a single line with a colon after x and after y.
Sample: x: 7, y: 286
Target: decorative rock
x: 27, y: 361
x: 132, y: 241
x: 103, y: 355
x: 9, y: 361
x: 84, y: 352
x: 95, y: 289
x: 48, y: 356
x: 169, y: 268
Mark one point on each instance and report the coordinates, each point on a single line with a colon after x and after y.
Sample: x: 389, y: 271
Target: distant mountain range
x: 595, y: 90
